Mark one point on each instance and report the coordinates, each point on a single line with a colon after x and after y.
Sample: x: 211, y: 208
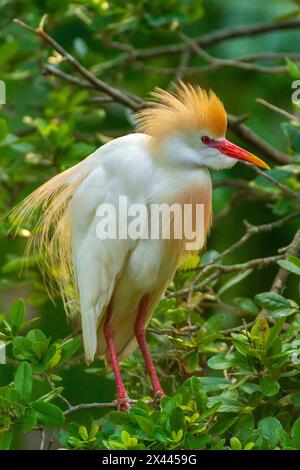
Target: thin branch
x: 50, y: 70
x: 283, y: 188
x: 216, y: 62
x: 237, y: 329
x: 86, y: 406
x: 183, y: 332
x: 248, y: 135
x: 219, y: 63
x: 100, y: 85
x: 279, y: 282
x: 218, y: 36
x: 269, y: 56
x: 277, y: 110
x: 220, y: 269
x: 53, y: 387
x: 183, y: 65
x: 255, y: 229
x: 43, y: 438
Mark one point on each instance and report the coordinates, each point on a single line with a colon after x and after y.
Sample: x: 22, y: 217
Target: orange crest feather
x: 187, y: 107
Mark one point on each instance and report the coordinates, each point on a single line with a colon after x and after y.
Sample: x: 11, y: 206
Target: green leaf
x: 49, y: 414
x: 235, y: 443
x: 145, y: 425
x: 69, y: 348
x: 274, y: 332
x: 295, y: 434
x: 213, y: 384
x: 259, y: 333
x: 23, y: 381
x: 199, y: 394
x: 284, y: 439
x: 220, y: 362
x: 36, y: 335
x: 27, y: 421
x: 53, y: 356
x: 292, y: 264
x: 83, y: 433
x: 51, y: 395
x: 283, y: 312
x: 234, y: 280
x: 246, y: 304
x: 16, y: 315
x: 268, y: 428
x: 293, y: 68
x: 295, y: 398
x: 293, y: 135
x: 5, y: 439
x: 176, y: 420
x: 244, y: 427
x: 273, y: 301
x: 3, y: 129
x: 192, y: 362
x: 269, y: 386
x: 196, y: 443
x: 223, y: 425
x: 22, y: 348
x: 118, y: 417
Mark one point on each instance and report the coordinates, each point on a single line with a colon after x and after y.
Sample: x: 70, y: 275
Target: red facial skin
x: 231, y: 150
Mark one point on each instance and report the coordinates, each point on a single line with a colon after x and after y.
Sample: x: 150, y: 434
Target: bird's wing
x: 97, y: 262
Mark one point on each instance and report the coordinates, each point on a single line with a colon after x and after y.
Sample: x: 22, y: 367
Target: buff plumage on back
x: 187, y: 107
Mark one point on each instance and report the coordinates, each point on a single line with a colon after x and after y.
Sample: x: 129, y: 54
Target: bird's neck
x: 176, y: 151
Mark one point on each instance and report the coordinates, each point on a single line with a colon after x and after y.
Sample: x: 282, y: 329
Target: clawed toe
x: 123, y: 404
x: 158, y: 395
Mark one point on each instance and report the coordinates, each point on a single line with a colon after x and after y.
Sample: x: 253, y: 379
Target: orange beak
x: 231, y: 150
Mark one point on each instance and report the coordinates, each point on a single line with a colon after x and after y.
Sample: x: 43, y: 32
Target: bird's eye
x: 205, y: 139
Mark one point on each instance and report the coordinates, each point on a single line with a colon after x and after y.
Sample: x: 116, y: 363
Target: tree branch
x: 218, y: 36
x: 283, y: 188
x: 216, y: 62
x: 248, y: 135
x: 279, y: 282
x: 100, y: 85
x: 271, y: 106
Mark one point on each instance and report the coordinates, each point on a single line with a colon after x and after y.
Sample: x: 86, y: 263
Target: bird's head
x: 188, y: 127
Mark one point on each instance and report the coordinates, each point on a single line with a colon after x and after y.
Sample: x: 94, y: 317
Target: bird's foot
x: 124, y: 404
x: 158, y: 395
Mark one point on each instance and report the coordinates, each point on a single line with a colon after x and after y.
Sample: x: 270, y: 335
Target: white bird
x: 116, y: 283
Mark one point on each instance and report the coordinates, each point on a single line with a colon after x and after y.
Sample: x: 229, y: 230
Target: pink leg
x: 122, y: 397
x: 139, y: 330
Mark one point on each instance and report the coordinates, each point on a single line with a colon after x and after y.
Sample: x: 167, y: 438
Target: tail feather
x: 50, y: 241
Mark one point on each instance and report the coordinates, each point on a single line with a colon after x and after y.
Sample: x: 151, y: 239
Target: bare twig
x: 220, y: 269
x: 183, y: 332
x: 98, y: 84
x: 50, y: 70
x: 183, y: 64
x: 283, y: 188
x: 86, y: 406
x: 43, y: 438
x: 237, y: 329
x: 218, y: 36
x: 279, y: 282
x: 248, y: 135
x: 278, y: 110
x: 216, y: 62
x: 53, y: 387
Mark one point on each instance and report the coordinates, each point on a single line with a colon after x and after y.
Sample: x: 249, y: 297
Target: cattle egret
x: 115, y: 283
